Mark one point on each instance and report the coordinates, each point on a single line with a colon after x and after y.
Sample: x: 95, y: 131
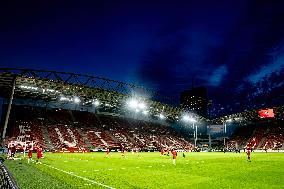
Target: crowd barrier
x: 6, y: 179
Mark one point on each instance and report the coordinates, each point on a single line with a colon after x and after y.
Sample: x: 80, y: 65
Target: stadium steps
x: 263, y: 139
x: 250, y: 137
x: 244, y: 142
x: 282, y: 148
x: 132, y: 141
x: 262, y: 142
x: 131, y: 138
x: 47, y: 139
x: 85, y: 138
x: 111, y: 136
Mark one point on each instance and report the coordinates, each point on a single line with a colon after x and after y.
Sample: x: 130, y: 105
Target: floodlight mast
x: 9, y: 109
x: 193, y: 121
x: 225, y: 130
x: 186, y: 118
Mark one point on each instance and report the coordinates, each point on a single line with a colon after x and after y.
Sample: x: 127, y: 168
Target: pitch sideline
x: 92, y: 181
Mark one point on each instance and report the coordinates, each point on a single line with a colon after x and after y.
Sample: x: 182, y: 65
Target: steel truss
x: 50, y: 85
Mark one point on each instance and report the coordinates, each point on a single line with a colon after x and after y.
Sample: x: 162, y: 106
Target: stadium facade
x: 59, y: 110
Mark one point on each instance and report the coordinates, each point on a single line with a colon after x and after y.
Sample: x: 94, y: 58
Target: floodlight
x: 96, y: 103
x: 186, y: 118
x: 63, y: 98
x: 141, y: 105
x: 76, y: 100
x: 192, y: 120
x: 133, y: 103
x: 238, y: 118
x: 145, y: 112
x: 161, y: 116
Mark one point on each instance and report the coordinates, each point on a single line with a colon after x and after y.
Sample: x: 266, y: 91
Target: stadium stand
x: 265, y: 136
x: 273, y: 138
x: 59, y: 130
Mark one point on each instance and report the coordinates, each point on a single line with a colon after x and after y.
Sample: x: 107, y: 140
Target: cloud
x: 217, y: 76
x: 266, y: 70
x: 227, y: 59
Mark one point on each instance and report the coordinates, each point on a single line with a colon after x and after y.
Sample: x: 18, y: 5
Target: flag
x: 266, y: 113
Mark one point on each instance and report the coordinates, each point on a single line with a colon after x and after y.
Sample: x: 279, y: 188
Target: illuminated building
x: 195, y: 100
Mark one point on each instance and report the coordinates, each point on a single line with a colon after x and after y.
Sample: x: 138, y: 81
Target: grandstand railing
x: 6, y: 179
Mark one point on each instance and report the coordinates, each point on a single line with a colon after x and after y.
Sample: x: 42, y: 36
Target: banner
x: 215, y: 129
x: 266, y: 113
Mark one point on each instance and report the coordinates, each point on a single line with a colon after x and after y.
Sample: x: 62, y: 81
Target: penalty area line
x: 70, y: 173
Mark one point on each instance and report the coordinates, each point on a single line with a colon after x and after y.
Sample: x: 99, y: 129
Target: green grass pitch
x: 149, y: 170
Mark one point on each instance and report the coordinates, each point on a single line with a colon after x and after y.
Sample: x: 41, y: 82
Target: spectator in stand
x: 174, y: 154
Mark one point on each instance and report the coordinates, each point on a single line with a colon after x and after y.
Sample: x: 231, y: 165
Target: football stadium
x: 66, y: 130
x: 135, y: 94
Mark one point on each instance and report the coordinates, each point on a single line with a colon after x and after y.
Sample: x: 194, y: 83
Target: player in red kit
x: 13, y: 150
x: 107, y: 153
x: 122, y: 152
x: 30, y: 154
x: 39, y: 154
x: 174, y: 154
x: 162, y: 152
x: 248, y: 152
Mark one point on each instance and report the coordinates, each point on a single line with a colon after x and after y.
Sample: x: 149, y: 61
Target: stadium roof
x: 51, y: 86
x: 54, y: 86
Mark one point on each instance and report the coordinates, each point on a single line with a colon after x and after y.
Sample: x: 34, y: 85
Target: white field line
x: 70, y: 173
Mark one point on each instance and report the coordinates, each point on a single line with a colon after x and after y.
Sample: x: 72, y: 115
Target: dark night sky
x: 234, y: 48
